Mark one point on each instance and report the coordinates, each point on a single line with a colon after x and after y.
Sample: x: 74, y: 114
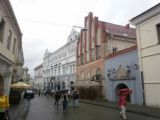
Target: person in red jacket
x: 122, y: 105
x: 122, y: 101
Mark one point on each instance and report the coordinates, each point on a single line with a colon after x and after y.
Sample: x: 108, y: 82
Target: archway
x: 72, y: 85
x: 119, y: 87
x: 63, y: 85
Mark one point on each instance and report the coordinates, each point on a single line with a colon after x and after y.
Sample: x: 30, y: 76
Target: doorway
x: 119, y: 87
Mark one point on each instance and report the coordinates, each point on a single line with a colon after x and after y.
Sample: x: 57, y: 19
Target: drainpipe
x: 144, y: 101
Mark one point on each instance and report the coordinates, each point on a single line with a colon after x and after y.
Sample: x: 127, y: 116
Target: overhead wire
x: 84, y: 8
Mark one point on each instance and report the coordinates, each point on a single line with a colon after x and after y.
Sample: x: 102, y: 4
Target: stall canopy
x: 20, y: 85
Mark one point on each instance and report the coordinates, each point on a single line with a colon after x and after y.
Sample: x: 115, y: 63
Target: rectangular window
x: 98, y: 51
x: 2, y: 26
x: 59, y: 71
x: 70, y: 69
x: 92, y: 54
x: 9, y: 40
x: 14, y: 46
x: 158, y: 33
x: 82, y: 59
x: 114, y: 49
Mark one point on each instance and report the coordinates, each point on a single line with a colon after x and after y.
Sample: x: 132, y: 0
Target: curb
x: 128, y: 109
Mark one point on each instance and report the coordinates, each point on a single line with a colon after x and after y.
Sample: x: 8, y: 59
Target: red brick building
x: 97, y: 40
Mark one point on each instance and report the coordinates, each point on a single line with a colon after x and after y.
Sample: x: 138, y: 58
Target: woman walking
x: 123, y: 93
x: 65, y: 101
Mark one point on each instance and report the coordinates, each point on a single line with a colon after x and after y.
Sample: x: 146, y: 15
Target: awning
x: 20, y: 85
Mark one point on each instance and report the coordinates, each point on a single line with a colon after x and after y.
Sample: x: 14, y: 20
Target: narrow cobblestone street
x: 42, y: 108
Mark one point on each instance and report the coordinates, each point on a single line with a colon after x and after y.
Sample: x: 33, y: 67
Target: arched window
x: 82, y: 75
x: 88, y: 75
x: 98, y: 74
x: 98, y: 71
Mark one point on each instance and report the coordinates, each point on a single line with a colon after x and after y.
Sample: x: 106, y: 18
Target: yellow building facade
x: 148, y: 39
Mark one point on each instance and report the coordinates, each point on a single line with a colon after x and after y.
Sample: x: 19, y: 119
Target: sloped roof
x: 125, y: 31
x: 155, y: 10
x: 127, y: 50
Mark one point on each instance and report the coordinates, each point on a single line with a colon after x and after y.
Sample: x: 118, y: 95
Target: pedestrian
x: 123, y: 93
x: 75, y: 98
x: 57, y: 97
x: 4, y: 104
x: 39, y: 93
x: 65, y: 100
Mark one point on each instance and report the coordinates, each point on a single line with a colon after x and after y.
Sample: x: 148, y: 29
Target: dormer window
x: 115, y: 49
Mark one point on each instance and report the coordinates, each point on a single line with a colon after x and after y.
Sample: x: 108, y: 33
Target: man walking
x: 75, y: 98
x: 57, y: 97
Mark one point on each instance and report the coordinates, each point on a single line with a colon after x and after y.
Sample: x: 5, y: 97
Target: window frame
x: 9, y: 39
x: 14, y: 45
x: 2, y: 29
x: 158, y: 32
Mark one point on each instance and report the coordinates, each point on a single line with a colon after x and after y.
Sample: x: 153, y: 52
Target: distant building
x: 148, y: 37
x: 60, y: 66
x: 38, y: 77
x: 122, y: 71
x: 11, y: 52
x: 25, y: 75
x: 97, y: 40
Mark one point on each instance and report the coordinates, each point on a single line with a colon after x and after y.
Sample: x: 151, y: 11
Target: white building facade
x: 25, y: 75
x: 148, y: 38
x: 59, y: 70
x: 11, y: 52
x: 38, y: 77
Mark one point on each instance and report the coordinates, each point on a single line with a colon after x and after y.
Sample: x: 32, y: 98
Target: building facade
x: 60, y: 66
x: 122, y: 71
x: 97, y: 40
x: 11, y: 52
x: 38, y: 77
x: 25, y: 75
x: 148, y: 37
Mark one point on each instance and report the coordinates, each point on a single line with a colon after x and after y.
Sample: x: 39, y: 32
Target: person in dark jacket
x: 65, y: 101
x: 75, y: 98
x: 57, y: 97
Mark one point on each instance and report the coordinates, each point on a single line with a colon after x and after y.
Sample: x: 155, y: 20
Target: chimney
x: 96, y: 21
x: 127, y: 26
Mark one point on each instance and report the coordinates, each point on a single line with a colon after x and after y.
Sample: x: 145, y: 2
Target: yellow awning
x: 20, y: 85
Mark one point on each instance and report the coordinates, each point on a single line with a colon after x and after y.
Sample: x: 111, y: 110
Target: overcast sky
x: 46, y: 24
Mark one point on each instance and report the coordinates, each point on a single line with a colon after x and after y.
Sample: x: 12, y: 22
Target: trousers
x: 123, y: 111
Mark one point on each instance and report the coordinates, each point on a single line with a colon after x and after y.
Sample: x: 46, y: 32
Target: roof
x: 125, y: 31
x: 146, y: 14
x: 39, y: 66
x: 127, y: 50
